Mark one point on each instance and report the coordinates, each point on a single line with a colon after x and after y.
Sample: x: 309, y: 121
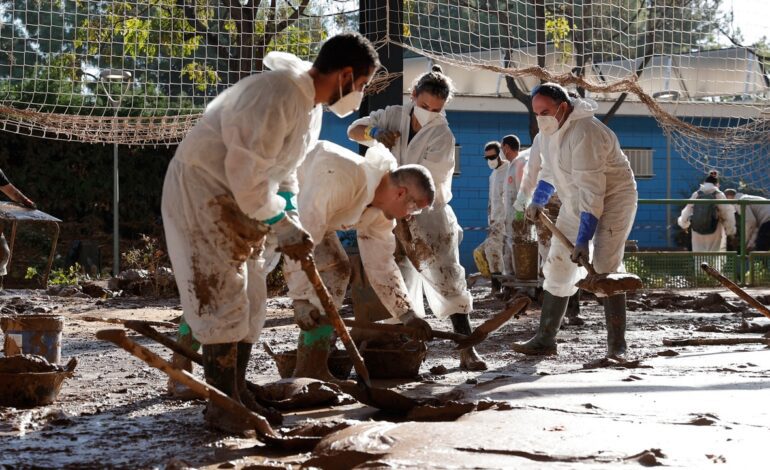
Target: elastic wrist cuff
x: 275, y: 219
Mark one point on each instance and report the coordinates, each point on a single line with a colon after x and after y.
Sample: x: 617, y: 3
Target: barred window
x: 641, y: 161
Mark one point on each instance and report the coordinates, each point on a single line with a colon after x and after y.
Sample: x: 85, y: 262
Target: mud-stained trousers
x: 607, y: 247
x: 494, y: 247
x: 216, y: 254
x: 432, y: 266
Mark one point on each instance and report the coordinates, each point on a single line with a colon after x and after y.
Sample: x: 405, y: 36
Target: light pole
x: 668, y: 95
x: 121, y: 77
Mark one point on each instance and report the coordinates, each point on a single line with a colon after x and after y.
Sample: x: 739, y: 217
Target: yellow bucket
x: 481, y: 261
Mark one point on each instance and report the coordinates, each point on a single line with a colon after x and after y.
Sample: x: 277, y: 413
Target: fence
x: 678, y: 269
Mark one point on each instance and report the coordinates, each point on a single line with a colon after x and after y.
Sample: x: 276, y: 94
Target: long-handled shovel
x: 463, y: 342
x: 734, y: 287
x: 265, y: 432
x: 606, y: 284
x: 309, y: 267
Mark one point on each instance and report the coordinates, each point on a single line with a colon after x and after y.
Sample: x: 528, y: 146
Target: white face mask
x: 493, y: 164
x: 424, y: 117
x: 348, y: 103
x: 548, y: 124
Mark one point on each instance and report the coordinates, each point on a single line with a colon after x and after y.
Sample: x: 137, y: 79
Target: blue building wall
x: 470, y: 188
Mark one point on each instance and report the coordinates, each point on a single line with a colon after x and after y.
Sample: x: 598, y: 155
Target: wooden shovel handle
x: 308, y: 266
x: 734, y: 287
x: 557, y: 233
x: 200, y: 388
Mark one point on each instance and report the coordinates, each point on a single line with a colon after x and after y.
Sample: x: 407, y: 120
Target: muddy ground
x: 687, y: 406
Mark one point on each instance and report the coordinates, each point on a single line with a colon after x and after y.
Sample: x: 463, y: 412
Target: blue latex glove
x: 586, y: 232
x: 543, y: 193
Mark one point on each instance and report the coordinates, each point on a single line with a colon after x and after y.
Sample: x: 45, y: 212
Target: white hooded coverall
x: 513, y: 180
x: 726, y: 212
x: 493, y: 245
x: 336, y: 188
x: 247, y: 145
x: 757, y: 215
x: 590, y: 172
x: 439, y: 274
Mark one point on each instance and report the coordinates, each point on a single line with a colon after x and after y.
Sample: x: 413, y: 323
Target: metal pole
x: 668, y: 191
x: 742, y: 253
x: 115, y: 217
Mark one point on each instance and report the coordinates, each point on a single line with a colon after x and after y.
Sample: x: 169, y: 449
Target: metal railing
x: 733, y: 265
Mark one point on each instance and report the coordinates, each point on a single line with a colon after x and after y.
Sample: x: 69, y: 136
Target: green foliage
x: 58, y: 277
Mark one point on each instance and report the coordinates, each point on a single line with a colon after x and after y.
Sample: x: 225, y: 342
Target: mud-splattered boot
x: 313, y: 349
x: 573, y: 311
x: 469, y: 358
x: 544, y: 342
x: 184, y: 337
x: 220, y: 370
x: 247, y: 397
x: 615, y: 314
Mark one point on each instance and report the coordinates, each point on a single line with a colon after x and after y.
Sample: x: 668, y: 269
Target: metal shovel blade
x: 482, y: 331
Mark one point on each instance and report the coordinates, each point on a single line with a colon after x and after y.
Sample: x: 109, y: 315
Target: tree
x: 584, y: 31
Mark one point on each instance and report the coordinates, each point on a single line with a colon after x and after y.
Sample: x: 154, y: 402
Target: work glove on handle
x: 306, y: 315
x: 293, y: 240
x: 542, y: 194
x: 423, y: 331
x: 588, y: 224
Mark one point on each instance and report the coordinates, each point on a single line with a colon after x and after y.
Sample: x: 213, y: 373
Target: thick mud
x: 524, y: 412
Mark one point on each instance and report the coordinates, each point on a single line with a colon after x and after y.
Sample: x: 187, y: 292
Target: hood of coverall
x: 276, y: 60
x: 377, y: 162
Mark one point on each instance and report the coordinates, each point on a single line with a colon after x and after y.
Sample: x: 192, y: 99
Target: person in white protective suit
x: 757, y: 221
x: 517, y: 162
x: 494, y: 243
x: 340, y: 190
x: 709, y: 224
x: 418, y: 132
x: 582, y: 160
x: 233, y: 179
x: 526, y: 187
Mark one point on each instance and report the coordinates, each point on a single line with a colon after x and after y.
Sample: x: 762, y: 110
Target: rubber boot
x: 469, y: 358
x: 220, y: 369
x: 573, y: 311
x: 247, y: 397
x: 185, y: 337
x: 544, y: 342
x: 313, y: 349
x: 496, y: 285
x: 615, y: 314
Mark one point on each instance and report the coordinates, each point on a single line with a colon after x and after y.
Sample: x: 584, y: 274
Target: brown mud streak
x: 417, y: 250
x: 246, y: 234
x: 204, y: 288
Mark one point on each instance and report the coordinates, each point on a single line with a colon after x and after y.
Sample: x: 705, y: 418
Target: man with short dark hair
x: 339, y: 190
x: 517, y: 161
x: 233, y: 179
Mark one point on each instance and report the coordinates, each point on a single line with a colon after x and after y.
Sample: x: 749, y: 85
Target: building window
x: 457, y: 160
x: 641, y: 162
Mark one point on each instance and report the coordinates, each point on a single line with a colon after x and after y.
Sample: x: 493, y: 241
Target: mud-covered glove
x: 422, y: 328
x: 588, y: 223
x: 543, y: 193
x: 306, y: 316
x: 383, y: 136
x: 293, y: 240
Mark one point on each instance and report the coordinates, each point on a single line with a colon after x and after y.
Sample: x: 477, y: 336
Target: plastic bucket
x: 33, y: 334
x: 525, y: 260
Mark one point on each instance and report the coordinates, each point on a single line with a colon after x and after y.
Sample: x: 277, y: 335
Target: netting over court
x: 65, y: 68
